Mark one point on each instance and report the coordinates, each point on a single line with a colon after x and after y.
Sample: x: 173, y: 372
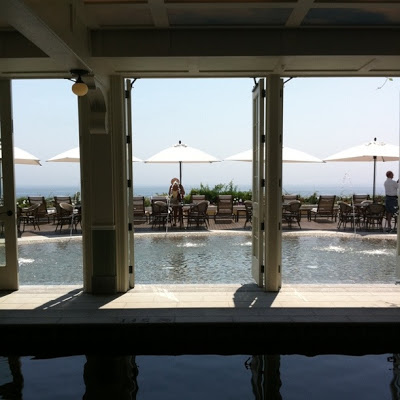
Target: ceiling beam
x: 245, y: 42
x: 64, y: 44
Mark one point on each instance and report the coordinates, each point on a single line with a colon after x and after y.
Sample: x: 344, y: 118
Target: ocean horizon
x: 154, y: 190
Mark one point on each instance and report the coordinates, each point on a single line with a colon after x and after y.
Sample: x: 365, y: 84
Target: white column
x: 103, y: 185
x: 273, y: 174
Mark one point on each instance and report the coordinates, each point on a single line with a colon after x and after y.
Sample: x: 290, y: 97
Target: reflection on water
x: 259, y: 377
x: 220, y: 259
x: 11, y: 378
x: 110, y: 377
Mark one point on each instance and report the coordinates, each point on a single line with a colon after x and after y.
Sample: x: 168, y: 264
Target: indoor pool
x: 220, y: 259
x: 198, y: 377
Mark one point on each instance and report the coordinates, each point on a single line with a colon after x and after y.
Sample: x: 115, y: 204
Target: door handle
x: 9, y: 213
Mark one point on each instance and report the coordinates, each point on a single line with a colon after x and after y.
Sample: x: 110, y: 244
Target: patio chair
x: 197, y: 198
x: 42, y: 211
x: 68, y: 216
x: 56, y: 203
x: 373, y: 216
x: 291, y: 212
x: 139, y: 209
x: 152, y: 201
x: 347, y: 214
x: 197, y: 214
x: 224, y: 207
x: 29, y: 216
x: 360, y: 198
x: 286, y: 198
x: 159, y: 213
x: 248, y: 205
x: 325, y: 208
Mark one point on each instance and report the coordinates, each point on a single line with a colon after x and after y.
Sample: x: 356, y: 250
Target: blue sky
x: 322, y: 116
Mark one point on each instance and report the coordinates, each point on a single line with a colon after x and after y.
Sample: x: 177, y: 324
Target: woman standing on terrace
x: 176, y: 193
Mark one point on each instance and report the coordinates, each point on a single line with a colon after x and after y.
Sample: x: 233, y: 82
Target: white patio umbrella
x: 73, y: 156
x: 289, y: 155
x: 372, y: 151
x: 181, y: 153
x: 23, y: 157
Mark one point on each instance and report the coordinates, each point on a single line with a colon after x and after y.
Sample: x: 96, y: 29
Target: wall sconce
x: 79, y: 87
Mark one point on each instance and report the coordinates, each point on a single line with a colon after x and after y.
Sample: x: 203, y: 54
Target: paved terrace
x: 142, y: 226
x: 196, y: 319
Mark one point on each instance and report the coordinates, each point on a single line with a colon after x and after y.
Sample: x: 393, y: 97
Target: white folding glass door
x: 258, y: 183
x: 8, y: 227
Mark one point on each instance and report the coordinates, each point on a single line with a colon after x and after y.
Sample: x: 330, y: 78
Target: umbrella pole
x: 373, y: 188
x: 180, y: 172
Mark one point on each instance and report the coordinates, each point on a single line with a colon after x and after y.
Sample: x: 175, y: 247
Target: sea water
x: 154, y: 190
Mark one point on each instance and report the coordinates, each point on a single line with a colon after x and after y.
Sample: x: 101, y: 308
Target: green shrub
x: 22, y: 202
x: 212, y: 194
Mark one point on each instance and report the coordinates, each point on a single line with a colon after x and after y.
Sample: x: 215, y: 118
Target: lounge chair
x: 291, y: 212
x: 139, y: 209
x: 197, y: 214
x: 42, y: 211
x: 248, y: 205
x: 325, y: 208
x: 224, y: 207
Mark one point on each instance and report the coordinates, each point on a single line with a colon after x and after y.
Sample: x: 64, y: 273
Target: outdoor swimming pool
x: 220, y: 259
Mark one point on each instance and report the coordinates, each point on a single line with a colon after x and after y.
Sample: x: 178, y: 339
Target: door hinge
x: 262, y: 182
x: 128, y: 139
x: 262, y: 138
x: 127, y: 94
x: 262, y: 226
x: 129, y: 183
x: 262, y: 269
x: 130, y: 269
x: 263, y: 93
x: 130, y: 226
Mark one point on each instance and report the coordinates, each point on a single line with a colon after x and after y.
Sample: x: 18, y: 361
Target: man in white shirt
x: 391, y: 203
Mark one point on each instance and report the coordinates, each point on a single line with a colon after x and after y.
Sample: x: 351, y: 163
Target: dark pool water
x: 210, y: 259
x: 199, y: 377
x: 220, y: 259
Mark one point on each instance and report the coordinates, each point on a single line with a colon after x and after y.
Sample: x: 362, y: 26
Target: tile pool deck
x: 198, y: 319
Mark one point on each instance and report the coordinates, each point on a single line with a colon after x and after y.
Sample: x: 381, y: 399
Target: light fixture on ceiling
x: 79, y: 87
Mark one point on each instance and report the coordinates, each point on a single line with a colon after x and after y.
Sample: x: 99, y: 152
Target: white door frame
x: 8, y: 236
